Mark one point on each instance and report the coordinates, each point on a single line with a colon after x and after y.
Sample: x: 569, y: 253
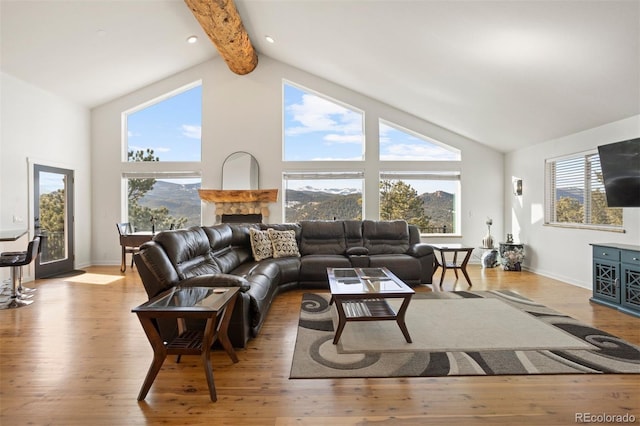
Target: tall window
x: 324, y: 146
x: 575, y: 193
x: 323, y: 196
x: 169, y: 127
x: 163, y: 153
x: 419, y: 192
x: 319, y: 129
x: 430, y: 201
x: 160, y: 202
x: 397, y: 144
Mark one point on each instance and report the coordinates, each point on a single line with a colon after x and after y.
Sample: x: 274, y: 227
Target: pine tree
x: 399, y: 200
x: 142, y: 217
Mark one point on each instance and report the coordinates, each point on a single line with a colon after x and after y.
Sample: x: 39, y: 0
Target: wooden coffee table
x: 361, y: 294
x: 211, y: 304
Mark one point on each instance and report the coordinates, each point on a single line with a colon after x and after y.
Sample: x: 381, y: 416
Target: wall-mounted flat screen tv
x: 620, y: 164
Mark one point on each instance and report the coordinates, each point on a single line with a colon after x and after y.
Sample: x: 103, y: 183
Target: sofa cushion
x: 405, y: 267
x: 189, y: 251
x: 322, y: 237
x: 284, y: 243
x: 385, y: 237
x: 260, y: 244
x: 219, y: 236
x: 314, y: 267
x: 353, y: 233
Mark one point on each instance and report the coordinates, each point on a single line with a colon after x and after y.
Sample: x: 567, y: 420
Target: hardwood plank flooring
x: 78, y: 356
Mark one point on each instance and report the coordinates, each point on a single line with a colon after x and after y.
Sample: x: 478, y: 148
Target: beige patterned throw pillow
x: 284, y: 243
x: 260, y: 244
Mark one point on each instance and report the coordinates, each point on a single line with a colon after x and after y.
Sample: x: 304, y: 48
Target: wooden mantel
x: 239, y: 195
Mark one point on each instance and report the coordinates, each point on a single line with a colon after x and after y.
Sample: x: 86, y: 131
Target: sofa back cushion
x: 156, y: 270
x: 189, y: 251
x: 353, y: 233
x: 322, y: 237
x: 385, y: 237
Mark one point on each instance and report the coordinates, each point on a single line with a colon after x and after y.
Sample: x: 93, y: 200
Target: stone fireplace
x: 240, y: 202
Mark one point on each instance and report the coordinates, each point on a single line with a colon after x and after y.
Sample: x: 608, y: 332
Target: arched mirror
x: 240, y: 171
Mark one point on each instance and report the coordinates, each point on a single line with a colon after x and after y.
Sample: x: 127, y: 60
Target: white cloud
x: 333, y: 137
x: 416, y: 152
x: 192, y: 132
x: 316, y: 114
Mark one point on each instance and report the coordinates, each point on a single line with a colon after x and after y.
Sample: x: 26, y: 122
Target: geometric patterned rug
x: 315, y: 356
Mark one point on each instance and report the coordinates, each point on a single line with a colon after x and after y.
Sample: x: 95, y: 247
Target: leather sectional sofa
x: 221, y: 255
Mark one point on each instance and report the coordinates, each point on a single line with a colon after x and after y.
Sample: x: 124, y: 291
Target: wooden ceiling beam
x: 222, y: 23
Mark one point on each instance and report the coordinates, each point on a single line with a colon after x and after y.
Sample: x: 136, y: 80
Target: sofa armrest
x: 357, y: 251
x: 420, y: 250
x: 217, y: 280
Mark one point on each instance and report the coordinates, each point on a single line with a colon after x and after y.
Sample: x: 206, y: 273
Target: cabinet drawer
x: 632, y: 257
x: 609, y: 253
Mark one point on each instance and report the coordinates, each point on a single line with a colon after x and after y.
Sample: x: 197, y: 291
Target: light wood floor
x: 77, y: 356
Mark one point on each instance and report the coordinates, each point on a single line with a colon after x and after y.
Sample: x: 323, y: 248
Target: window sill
x: 588, y: 227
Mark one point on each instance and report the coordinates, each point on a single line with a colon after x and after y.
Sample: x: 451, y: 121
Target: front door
x: 53, y: 218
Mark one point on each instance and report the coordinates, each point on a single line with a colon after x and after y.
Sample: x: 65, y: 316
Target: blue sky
x: 171, y: 127
x: 318, y: 129
x: 315, y: 129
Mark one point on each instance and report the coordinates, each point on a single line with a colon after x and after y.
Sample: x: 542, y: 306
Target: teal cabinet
x: 616, y: 277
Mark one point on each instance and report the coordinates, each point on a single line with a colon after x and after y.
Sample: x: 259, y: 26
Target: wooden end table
x: 360, y: 295
x: 180, y: 303
x: 455, y: 249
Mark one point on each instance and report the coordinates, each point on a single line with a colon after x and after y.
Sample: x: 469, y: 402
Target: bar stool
x: 16, y: 260
x: 24, y: 292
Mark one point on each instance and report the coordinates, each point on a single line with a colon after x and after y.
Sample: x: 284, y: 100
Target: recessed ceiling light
x: 269, y: 39
x: 192, y: 39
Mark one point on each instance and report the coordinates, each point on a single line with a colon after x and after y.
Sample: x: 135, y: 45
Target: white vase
x: 487, y: 241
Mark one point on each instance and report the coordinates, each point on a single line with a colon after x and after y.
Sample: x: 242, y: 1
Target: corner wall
x: 562, y: 253
x: 244, y: 113
x: 40, y: 126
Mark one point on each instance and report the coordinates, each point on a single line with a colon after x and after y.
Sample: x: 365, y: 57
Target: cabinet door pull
x: 604, y: 253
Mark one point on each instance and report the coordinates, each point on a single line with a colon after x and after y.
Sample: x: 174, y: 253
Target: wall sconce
x: 517, y: 187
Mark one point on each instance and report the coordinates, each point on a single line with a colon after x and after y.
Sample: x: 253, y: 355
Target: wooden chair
x: 126, y: 229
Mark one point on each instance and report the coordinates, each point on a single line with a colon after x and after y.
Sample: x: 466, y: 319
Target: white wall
x: 46, y: 129
x: 244, y: 113
x: 562, y: 253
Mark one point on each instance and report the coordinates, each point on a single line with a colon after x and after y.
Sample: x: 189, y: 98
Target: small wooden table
x: 12, y: 234
x: 360, y: 295
x: 188, y: 302
x: 135, y: 239
x: 455, y: 249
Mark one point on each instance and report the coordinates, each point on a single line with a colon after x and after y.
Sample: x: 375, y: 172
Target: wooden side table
x: 207, y: 303
x: 455, y: 249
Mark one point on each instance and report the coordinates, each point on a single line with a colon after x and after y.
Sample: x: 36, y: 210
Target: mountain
x: 438, y: 206
x: 576, y: 193
x: 302, y: 204
x: 181, y: 200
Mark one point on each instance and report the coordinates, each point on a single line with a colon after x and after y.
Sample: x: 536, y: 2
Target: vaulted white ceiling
x: 504, y: 73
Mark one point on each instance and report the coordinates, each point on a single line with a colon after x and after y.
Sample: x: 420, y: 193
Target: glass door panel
x: 53, y: 195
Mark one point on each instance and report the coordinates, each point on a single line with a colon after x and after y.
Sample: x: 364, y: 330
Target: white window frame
x: 158, y: 175
x: 321, y: 175
x: 427, y: 140
x: 587, y: 163
x: 147, y: 104
x: 329, y: 99
x: 450, y: 175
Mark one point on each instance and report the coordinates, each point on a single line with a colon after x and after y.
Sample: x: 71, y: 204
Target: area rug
x: 457, y: 334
